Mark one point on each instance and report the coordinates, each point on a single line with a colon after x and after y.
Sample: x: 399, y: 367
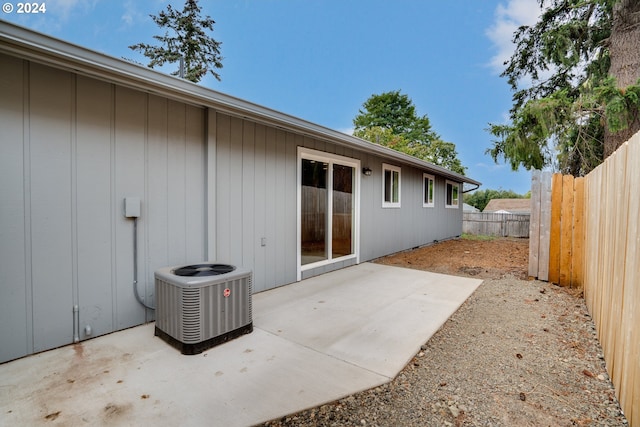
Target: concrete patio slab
x: 313, y: 342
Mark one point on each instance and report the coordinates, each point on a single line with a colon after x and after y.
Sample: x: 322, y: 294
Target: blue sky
x: 321, y: 59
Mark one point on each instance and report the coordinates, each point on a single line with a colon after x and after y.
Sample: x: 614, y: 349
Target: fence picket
x: 620, y: 209
x: 577, y: 259
x: 534, y: 224
x: 555, y: 240
x: 566, y: 230
x: 545, y: 226
x: 630, y: 388
x: 609, y: 262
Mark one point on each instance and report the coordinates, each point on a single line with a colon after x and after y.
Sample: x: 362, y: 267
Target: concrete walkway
x: 313, y: 342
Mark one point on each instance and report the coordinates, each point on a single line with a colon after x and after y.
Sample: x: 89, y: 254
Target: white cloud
x: 64, y: 8
x: 127, y: 18
x: 505, y: 117
x: 492, y: 167
x: 131, y: 13
x: 64, y: 4
x: 507, y: 20
x: 348, y: 131
x: 59, y: 15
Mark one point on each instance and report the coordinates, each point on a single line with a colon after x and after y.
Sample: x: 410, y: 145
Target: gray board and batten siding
x: 256, y: 193
x: 217, y: 178
x: 72, y: 149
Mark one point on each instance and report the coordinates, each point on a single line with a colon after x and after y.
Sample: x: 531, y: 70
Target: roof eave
x: 16, y: 40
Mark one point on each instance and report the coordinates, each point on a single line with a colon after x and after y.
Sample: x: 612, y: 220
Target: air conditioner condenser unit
x: 202, y: 305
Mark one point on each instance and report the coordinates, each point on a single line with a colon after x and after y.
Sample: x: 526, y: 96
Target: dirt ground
x: 518, y: 352
x: 483, y: 258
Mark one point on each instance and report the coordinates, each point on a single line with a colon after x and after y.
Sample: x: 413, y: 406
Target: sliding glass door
x: 342, y: 211
x: 314, y: 218
x: 327, y: 207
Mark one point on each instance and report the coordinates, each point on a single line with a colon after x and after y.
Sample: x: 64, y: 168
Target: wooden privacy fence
x: 557, y: 228
x: 612, y: 268
x: 495, y: 224
x: 586, y: 232
x: 314, y: 214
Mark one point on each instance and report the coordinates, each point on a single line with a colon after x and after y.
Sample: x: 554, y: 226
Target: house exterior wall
x: 255, y: 188
x: 255, y: 195
x: 71, y: 149
x: 212, y: 185
x: 389, y: 230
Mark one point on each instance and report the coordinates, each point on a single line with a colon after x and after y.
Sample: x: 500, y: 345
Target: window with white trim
x: 428, y: 190
x: 452, y: 195
x: 390, y: 186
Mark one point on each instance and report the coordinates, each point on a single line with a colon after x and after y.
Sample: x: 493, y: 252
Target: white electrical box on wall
x: 132, y: 207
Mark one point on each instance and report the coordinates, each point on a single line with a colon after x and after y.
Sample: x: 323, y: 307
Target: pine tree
x: 576, y: 81
x: 184, y: 40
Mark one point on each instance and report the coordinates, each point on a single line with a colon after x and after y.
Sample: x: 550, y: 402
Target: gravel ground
x: 517, y: 353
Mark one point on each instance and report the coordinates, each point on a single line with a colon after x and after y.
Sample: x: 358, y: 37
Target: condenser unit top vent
x: 203, y: 270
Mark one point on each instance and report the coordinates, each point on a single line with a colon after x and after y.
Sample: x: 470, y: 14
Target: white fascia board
x: 24, y: 43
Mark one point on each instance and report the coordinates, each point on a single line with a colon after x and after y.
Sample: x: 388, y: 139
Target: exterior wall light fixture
x: 366, y: 171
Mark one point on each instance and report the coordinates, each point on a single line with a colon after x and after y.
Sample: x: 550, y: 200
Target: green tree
x: 576, y: 81
x: 184, y: 40
x: 390, y: 119
x: 480, y: 198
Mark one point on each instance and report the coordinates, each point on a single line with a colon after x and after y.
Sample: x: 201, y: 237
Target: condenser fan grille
x: 201, y: 270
